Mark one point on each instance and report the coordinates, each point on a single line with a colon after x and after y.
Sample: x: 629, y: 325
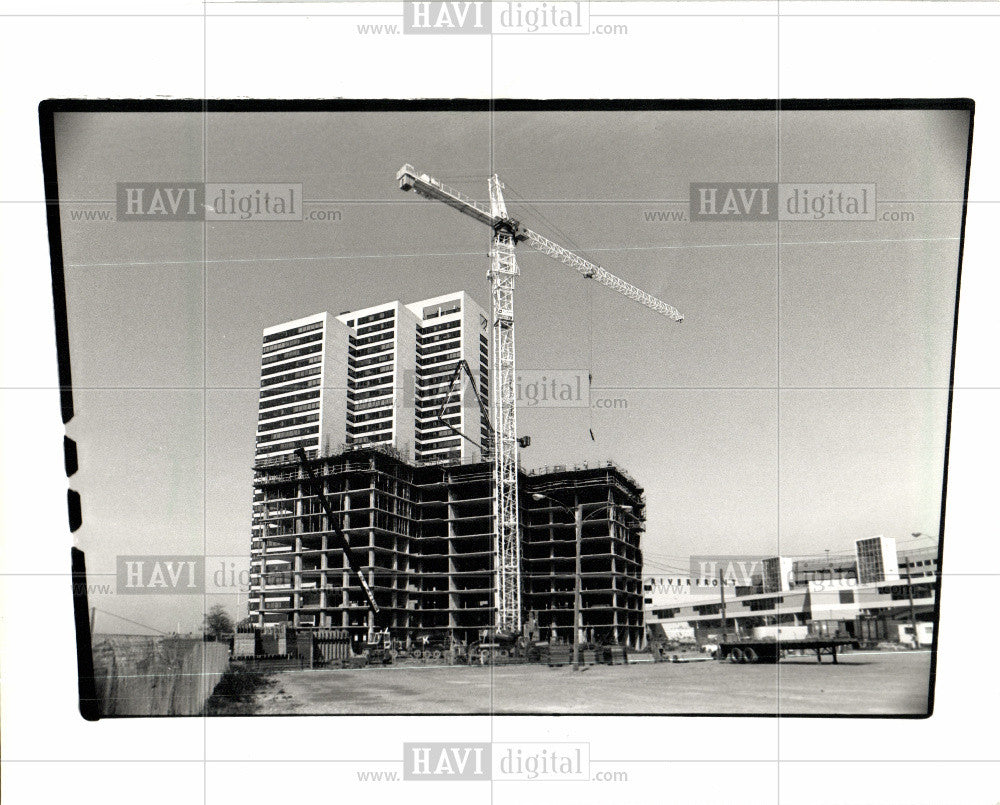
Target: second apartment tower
x: 378, y: 377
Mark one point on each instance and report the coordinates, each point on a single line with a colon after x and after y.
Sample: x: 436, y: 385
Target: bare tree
x: 217, y: 623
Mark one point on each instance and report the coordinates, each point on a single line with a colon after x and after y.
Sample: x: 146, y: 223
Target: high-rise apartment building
x: 303, y: 387
x: 450, y: 329
x: 375, y: 377
x: 400, y: 363
x: 302, y: 403
x: 380, y: 361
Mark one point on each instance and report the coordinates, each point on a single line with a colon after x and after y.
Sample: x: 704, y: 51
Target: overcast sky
x: 800, y: 405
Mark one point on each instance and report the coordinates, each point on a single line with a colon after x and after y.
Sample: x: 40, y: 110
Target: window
x: 372, y: 339
x: 441, y: 445
x: 286, y: 389
x: 380, y: 369
x: 295, y: 353
x: 366, y: 405
x: 354, y: 419
x: 360, y: 353
x: 901, y: 593
x: 284, y: 367
x: 285, y: 423
x: 367, y: 395
x: 764, y: 603
x: 359, y: 364
x: 436, y: 360
x: 427, y: 351
x: 359, y: 429
x: 270, y: 381
x: 870, y: 566
x: 276, y: 404
x: 448, y: 325
x: 847, y: 596
x: 380, y: 380
x: 306, y: 328
x: 306, y: 339
x: 374, y: 328
x: 307, y: 431
x: 385, y: 314
x: 273, y: 448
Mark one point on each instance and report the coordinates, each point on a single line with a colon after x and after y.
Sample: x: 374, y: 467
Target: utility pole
x: 722, y: 595
x: 913, y: 616
x: 578, y: 518
x: 577, y: 588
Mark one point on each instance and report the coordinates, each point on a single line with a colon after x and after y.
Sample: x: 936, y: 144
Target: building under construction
x: 423, y: 537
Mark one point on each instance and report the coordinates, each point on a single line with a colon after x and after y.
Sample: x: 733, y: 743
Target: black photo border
x: 47, y: 110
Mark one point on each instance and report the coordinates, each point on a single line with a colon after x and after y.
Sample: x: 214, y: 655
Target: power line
x: 129, y: 620
x: 480, y: 254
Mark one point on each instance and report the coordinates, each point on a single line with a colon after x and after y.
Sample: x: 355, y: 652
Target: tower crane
x: 507, y: 233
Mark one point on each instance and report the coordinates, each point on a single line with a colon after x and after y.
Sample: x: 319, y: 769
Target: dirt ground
x: 863, y: 683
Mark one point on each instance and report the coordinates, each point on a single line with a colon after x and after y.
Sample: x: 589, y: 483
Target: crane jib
x: 431, y: 188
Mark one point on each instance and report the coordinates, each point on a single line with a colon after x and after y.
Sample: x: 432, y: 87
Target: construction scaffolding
x: 612, y: 503
x: 423, y: 538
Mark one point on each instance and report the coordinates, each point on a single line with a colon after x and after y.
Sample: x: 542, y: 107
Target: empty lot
x: 876, y: 683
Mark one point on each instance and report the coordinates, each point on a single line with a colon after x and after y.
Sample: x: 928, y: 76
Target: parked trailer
x: 772, y: 650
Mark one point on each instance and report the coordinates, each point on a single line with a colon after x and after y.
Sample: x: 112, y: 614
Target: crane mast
x: 507, y: 545
x: 507, y: 233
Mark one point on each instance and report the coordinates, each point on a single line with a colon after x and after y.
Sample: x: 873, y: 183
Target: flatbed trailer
x: 750, y: 650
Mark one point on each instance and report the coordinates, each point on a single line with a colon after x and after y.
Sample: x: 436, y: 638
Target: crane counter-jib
x: 433, y: 189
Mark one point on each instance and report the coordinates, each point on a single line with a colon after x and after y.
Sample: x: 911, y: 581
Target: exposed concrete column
x: 345, y: 508
x: 295, y: 595
x: 371, y: 542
